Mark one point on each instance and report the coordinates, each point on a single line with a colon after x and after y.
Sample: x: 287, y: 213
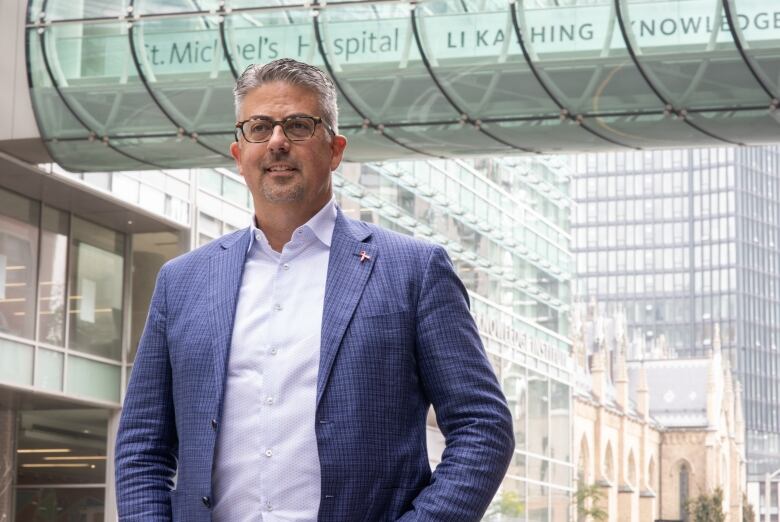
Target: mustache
x: 278, y: 157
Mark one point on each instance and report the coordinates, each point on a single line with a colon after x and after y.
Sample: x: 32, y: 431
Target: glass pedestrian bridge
x: 138, y: 84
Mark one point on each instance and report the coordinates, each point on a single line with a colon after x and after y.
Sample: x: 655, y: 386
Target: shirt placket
x: 280, y: 340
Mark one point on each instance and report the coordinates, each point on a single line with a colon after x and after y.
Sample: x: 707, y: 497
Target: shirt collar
x: 321, y: 224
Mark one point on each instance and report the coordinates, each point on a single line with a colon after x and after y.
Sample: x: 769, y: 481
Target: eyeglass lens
x: 295, y: 128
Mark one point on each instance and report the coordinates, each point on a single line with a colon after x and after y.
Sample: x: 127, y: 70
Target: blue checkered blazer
x: 397, y: 337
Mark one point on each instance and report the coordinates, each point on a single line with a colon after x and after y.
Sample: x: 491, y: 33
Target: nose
x: 278, y: 141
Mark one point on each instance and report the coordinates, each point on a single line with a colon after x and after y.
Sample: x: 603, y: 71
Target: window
x: 683, y: 477
x: 96, y: 277
x: 18, y: 259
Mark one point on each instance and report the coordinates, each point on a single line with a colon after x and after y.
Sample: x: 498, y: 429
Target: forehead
x: 280, y: 99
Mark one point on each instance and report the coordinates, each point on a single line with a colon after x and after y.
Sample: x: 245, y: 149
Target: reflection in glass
x: 61, y: 447
x: 51, y: 286
x: 60, y: 504
x: 537, y: 503
x: 514, y: 385
x: 538, y: 411
x: 18, y: 257
x: 96, y: 271
x: 560, y: 430
x: 150, y: 251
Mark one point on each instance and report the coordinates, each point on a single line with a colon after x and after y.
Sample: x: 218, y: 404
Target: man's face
x: 281, y: 171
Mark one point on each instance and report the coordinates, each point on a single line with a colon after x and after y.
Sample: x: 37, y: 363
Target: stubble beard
x: 282, y: 193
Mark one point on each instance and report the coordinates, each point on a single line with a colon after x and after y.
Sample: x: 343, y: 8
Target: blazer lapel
x: 226, y: 267
x: 351, y: 260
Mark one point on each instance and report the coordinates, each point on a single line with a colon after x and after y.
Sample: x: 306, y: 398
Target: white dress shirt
x: 266, y: 466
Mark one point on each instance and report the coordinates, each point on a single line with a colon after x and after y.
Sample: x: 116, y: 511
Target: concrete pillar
x: 626, y: 508
x: 647, y: 503
x: 7, y: 462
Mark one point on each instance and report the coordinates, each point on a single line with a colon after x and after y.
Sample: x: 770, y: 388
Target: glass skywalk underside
x: 135, y: 84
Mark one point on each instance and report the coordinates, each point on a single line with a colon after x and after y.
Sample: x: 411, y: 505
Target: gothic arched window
x: 683, y: 491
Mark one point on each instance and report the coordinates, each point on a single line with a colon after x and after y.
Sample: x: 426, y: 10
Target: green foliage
x: 748, y: 514
x: 588, y: 499
x: 508, y: 504
x: 707, y: 508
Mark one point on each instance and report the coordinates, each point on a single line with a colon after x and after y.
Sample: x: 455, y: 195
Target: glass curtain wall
x: 505, y: 225
x: 61, y: 301
x: 61, y: 465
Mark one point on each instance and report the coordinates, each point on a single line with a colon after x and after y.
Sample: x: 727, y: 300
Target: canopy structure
x: 135, y: 84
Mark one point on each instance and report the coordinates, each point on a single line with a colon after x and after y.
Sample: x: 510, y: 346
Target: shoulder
x: 195, y: 260
x: 393, y: 243
x: 401, y: 253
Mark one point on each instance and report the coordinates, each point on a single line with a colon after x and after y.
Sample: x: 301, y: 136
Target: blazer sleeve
x: 470, y: 407
x: 146, y: 446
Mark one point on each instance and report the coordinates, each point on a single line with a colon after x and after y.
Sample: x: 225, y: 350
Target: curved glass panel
x: 169, y: 103
x: 238, y: 4
x: 758, y: 29
x: 174, y: 6
x: 376, y: 60
x: 547, y: 135
x: 754, y: 127
x: 367, y: 144
x: 80, y: 9
x: 451, y: 140
x: 105, y: 93
x: 493, y: 78
x: 649, y: 131
x: 54, y: 119
x: 687, y: 51
x: 84, y: 155
x: 561, y: 39
x: 220, y: 142
x: 185, y: 68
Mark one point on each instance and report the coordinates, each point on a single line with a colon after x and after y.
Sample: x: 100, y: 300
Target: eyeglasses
x: 296, y: 128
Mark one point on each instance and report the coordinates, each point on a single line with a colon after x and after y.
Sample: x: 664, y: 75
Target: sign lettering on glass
x: 690, y: 25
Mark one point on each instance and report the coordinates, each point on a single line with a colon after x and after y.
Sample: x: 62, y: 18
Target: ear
x: 235, y: 151
x: 337, y: 145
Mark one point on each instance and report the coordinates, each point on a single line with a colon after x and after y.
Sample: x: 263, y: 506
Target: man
x: 286, y: 370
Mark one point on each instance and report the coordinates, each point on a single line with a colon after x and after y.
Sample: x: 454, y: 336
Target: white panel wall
x: 16, y: 116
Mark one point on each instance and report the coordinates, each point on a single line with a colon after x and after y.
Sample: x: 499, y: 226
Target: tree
x: 588, y: 499
x: 748, y: 514
x: 707, y: 508
x: 507, y: 505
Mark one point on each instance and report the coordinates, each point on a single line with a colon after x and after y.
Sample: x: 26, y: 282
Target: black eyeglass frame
x: 316, y: 119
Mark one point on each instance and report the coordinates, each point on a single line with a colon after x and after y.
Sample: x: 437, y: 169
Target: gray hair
x: 292, y: 72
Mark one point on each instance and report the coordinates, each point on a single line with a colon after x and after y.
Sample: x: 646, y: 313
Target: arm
x: 146, y: 444
x: 470, y: 407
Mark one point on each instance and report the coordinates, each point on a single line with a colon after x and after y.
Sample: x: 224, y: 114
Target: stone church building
x: 652, y: 431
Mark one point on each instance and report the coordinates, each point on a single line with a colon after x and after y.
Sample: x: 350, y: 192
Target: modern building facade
x: 682, y: 240
x: 80, y: 252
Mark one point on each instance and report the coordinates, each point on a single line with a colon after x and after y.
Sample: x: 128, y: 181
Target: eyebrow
x: 266, y: 117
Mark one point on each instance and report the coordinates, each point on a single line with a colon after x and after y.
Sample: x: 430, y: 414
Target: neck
x: 279, y: 221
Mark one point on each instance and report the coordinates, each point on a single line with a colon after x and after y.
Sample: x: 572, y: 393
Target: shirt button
x: 268, y: 453
x: 268, y: 505
x: 274, y: 351
x: 277, y: 307
x: 206, y: 501
x: 269, y: 400
x: 214, y: 424
x: 286, y: 266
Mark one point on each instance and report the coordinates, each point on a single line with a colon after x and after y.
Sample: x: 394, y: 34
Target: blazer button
x: 214, y: 424
x: 206, y: 502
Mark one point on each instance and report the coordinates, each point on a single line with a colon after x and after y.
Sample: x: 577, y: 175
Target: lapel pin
x: 364, y: 256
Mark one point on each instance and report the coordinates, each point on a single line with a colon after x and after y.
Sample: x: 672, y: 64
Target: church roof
x: 677, y: 390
